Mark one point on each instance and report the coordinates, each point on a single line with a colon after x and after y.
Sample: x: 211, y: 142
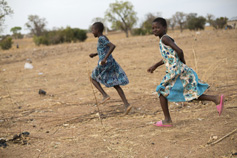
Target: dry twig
x: 224, y: 137
x: 97, y: 105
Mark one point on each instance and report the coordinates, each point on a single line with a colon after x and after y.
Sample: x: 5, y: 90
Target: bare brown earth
x: 65, y: 124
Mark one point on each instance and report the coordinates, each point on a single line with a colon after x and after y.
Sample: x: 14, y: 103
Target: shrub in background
x: 79, y: 34
x: 139, y: 31
x: 61, y: 36
x: 18, y: 36
x: 6, y: 43
x: 38, y: 40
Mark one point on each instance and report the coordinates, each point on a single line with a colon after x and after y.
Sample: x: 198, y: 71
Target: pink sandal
x: 160, y: 124
x: 221, y: 105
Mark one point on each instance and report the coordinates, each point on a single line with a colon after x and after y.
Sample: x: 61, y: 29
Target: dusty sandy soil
x: 65, y: 124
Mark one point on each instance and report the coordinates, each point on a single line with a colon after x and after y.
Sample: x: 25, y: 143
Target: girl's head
x: 97, y: 28
x: 159, y: 27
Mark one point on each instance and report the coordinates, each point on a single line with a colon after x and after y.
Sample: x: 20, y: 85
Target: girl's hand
x: 151, y: 69
x: 102, y: 62
x: 93, y: 55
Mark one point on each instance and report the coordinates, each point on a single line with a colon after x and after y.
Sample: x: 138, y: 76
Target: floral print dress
x: 180, y: 83
x: 110, y: 74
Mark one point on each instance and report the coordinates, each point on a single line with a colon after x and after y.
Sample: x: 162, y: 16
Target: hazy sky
x: 79, y: 13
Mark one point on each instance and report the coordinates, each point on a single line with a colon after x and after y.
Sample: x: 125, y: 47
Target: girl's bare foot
x: 128, y: 108
x: 106, y: 98
x: 167, y: 122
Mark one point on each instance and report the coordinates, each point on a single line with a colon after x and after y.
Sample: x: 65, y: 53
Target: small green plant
x: 6, y: 43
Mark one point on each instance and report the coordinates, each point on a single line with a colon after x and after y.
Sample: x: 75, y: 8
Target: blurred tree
x: 195, y: 23
x: 36, y: 25
x: 218, y: 23
x: 15, y: 29
x: 172, y: 22
x: 221, y: 22
x: 15, y: 32
x: 147, y: 24
x: 138, y: 32
x: 210, y: 19
x: 122, y: 16
x: 180, y: 18
x: 4, y: 11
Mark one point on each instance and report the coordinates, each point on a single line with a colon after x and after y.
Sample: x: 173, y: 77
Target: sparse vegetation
x: 194, y: 22
x: 6, y: 43
x: 60, y: 36
x: 218, y: 23
x: 65, y: 121
x: 139, y: 31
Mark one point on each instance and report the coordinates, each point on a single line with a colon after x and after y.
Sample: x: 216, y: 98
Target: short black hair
x: 160, y: 20
x: 99, y: 26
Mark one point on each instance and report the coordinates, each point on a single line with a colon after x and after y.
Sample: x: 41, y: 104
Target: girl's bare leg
x: 213, y: 98
x: 165, y: 108
x: 100, y: 89
x: 122, y: 95
x: 128, y: 107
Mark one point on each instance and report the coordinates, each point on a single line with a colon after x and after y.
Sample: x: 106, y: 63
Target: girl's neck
x: 162, y: 35
x: 100, y: 34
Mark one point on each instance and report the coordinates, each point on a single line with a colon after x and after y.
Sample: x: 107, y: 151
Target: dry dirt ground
x: 64, y: 123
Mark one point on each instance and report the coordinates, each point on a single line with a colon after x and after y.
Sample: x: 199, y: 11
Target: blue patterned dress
x: 180, y: 83
x: 110, y: 74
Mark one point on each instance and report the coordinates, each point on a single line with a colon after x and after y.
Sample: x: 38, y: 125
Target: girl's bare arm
x: 151, y: 69
x: 93, y: 55
x: 167, y: 41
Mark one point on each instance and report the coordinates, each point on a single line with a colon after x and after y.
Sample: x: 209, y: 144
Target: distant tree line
x: 36, y: 25
x: 183, y: 21
x: 58, y: 36
x: 120, y: 14
x: 122, y: 17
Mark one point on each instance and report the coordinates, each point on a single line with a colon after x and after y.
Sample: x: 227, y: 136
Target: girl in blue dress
x: 180, y: 83
x: 108, y: 71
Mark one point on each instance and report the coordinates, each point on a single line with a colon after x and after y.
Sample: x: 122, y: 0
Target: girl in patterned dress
x: 108, y: 71
x: 180, y: 83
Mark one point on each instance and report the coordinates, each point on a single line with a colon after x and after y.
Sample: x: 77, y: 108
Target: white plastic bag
x: 28, y: 66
